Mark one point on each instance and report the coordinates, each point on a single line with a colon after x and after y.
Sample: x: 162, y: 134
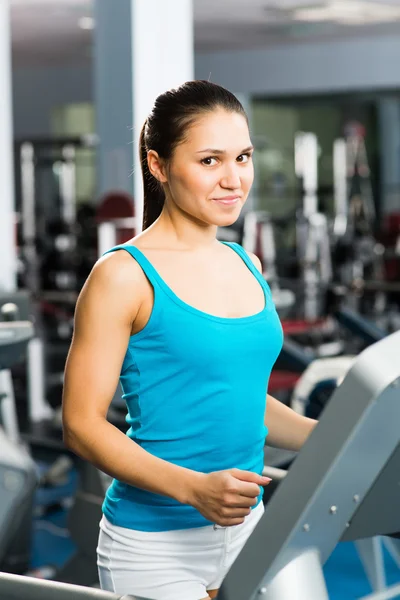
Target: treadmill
x: 18, y: 476
x: 343, y: 485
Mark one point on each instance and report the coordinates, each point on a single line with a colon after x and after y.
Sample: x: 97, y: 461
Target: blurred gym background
x: 320, y: 81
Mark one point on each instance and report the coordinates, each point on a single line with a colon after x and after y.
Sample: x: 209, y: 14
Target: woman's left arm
x: 286, y: 428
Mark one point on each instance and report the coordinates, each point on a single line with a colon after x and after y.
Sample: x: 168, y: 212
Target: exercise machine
x: 18, y: 476
x: 14, y: 587
x: 37, y: 408
x: 358, y: 256
x: 83, y: 524
x: 312, y: 235
x: 310, y: 396
x: 343, y: 485
x: 321, y: 376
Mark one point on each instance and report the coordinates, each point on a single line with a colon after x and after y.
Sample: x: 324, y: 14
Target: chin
x: 226, y: 221
x: 223, y: 218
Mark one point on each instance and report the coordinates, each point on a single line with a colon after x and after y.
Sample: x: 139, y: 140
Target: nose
x: 230, y: 177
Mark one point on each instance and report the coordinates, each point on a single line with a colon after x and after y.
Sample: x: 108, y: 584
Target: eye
x: 207, y: 161
x: 245, y: 157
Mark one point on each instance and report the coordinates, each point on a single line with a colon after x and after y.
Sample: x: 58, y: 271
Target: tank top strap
x: 246, y: 258
x: 145, y: 264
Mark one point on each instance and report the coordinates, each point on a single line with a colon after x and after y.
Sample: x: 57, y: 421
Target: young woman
x: 188, y: 326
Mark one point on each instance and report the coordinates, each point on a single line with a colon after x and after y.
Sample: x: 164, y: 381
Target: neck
x: 180, y: 230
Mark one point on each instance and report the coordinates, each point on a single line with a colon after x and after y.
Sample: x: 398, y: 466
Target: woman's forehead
x: 216, y: 128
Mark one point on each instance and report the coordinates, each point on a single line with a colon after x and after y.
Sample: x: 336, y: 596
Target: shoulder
x: 117, y: 268
x: 116, y: 280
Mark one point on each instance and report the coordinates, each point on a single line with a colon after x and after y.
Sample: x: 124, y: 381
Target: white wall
x: 331, y: 66
x: 37, y: 90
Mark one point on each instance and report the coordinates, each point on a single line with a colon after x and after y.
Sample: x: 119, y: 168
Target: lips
x: 227, y: 200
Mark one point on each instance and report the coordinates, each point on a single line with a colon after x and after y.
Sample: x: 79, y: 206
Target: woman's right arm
x: 105, y: 311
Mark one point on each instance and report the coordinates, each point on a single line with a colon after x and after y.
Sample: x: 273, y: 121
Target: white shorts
x: 170, y: 565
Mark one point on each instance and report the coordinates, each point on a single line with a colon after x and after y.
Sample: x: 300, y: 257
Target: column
x: 389, y: 141
x: 113, y: 95
x: 7, y: 207
x: 143, y: 48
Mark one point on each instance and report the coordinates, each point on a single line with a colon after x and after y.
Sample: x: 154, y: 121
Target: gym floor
x: 52, y: 546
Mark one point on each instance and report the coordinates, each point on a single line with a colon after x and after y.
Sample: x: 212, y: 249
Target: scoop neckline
x: 192, y: 309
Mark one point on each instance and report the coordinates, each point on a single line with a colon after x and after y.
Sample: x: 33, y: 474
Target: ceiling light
x: 86, y: 23
x: 350, y: 12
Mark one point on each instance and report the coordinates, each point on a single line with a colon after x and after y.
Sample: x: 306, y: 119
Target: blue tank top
x: 195, y: 388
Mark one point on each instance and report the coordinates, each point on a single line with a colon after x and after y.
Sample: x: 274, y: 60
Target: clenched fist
x: 226, y: 497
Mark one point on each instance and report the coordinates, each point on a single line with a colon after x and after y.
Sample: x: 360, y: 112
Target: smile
x: 228, y: 201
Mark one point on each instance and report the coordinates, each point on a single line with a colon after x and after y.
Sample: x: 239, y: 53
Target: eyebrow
x: 215, y: 151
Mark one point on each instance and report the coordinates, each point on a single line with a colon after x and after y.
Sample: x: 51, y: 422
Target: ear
x: 156, y: 166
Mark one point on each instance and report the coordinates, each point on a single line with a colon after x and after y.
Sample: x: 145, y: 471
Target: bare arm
x: 106, y: 309
x: 286, y: 428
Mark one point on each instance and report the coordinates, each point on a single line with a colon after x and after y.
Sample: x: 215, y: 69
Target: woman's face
x: 210, y: 174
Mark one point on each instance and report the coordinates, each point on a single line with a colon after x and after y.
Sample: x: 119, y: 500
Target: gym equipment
x: 390, y: 238
x: 314, y: 503
x: 116, y: 221
x: 357, y: 255
x: 14, y: 587
x: 17, y: 470
x: 359, y: 326
x: 352, y: 186
x: 313, y: 252
x: 321, y: 376
x: 311, y: 395
x: 83, y: 523
x: 258, y: 238
x: 326, y: 496
x: 311, y: 259
x: 342, y: 486
x: 294, y: 364
x: 60, y: 257
x: 20, y: 471
x: 45, y: 190
x: 85, y: 513
x: 306, y: 168
x: 37, y: 408
x: 316, y: 385
x: 312, y: 236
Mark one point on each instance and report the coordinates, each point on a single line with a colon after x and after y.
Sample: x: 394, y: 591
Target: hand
x: 226, y: 497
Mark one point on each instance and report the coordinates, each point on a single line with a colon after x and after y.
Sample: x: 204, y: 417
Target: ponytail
x: 153, y: 194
